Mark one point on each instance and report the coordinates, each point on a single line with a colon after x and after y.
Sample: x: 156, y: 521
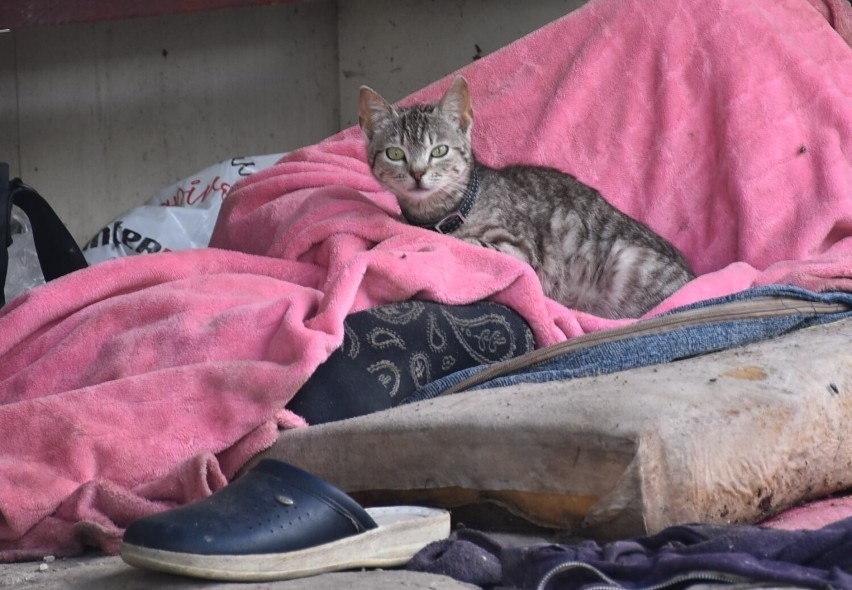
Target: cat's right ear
x: 372, y: 109
x: 456, y: 103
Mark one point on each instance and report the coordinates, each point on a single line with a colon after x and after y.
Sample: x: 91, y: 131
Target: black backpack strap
x: 58, y: 253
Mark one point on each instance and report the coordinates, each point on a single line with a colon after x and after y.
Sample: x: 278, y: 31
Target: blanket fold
x: 146, y: 382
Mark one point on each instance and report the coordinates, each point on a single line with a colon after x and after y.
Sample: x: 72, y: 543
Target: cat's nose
x: 417, y: 175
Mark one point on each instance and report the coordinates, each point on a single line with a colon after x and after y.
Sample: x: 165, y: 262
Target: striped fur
x: 588, y: 255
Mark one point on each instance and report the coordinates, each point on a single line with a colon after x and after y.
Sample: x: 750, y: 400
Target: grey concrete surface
x: 110, y: 573
x: 399, y: 46
x: 100, y: 116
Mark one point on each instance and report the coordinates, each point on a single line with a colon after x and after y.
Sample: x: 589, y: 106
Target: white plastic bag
x: 178, y: 217
x: 24, y: 271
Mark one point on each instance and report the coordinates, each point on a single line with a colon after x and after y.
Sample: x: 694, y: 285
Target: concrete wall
x: 98, y: 117
x: 109, y: 113
x: 8, y: 103
x: 399, y: 46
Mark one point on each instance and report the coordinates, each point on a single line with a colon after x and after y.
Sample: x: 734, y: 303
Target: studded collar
x: 454, y: 220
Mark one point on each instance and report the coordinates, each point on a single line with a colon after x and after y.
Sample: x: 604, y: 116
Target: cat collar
x: 453, y: 221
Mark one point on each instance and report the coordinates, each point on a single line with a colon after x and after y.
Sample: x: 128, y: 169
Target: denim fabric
x: 641, y: 351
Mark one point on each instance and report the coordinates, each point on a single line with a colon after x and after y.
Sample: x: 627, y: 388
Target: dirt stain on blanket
x: 749, y: 373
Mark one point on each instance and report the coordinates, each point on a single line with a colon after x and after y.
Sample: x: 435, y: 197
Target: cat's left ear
x: 372, y: 110
x: 456, y: 103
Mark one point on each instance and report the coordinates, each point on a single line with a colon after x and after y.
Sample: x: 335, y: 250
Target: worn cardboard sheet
x: 732, y: 437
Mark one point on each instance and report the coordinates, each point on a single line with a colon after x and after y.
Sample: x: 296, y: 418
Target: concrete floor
x: 111, y: 573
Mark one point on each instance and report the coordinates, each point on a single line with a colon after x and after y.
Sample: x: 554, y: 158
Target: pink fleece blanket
x: 813, y: 515
x: 144, y: 383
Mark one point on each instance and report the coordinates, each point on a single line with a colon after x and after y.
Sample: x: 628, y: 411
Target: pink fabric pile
x: 143, y: 383
x: 813, y: 515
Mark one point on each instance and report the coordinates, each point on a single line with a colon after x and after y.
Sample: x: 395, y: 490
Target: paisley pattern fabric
x: 391, y: 351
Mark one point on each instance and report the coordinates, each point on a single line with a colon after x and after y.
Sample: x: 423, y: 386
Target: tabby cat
x: 588, y: 255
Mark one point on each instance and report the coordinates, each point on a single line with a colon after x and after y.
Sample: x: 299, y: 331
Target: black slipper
x: 279, y: 522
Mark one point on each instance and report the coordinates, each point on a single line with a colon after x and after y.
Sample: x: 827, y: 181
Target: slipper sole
x: 402, y: 532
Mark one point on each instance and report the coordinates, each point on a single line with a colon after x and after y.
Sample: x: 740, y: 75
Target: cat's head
x: 421, y: 153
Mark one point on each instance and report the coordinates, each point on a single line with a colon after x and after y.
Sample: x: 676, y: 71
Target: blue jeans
x: 679, y: 343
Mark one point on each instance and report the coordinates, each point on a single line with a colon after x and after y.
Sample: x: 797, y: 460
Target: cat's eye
x: 440, y: 151
x: 395, y: 154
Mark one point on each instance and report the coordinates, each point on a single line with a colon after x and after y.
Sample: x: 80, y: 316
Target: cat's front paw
x: 477, y: 242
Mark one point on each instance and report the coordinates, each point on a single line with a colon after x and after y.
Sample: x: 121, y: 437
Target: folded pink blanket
x: 144, y: 383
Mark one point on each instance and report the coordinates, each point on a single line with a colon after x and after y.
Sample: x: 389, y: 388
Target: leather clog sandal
x: 278, y: 522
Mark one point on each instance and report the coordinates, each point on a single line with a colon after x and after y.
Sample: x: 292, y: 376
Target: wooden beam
x: 32, y: 13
